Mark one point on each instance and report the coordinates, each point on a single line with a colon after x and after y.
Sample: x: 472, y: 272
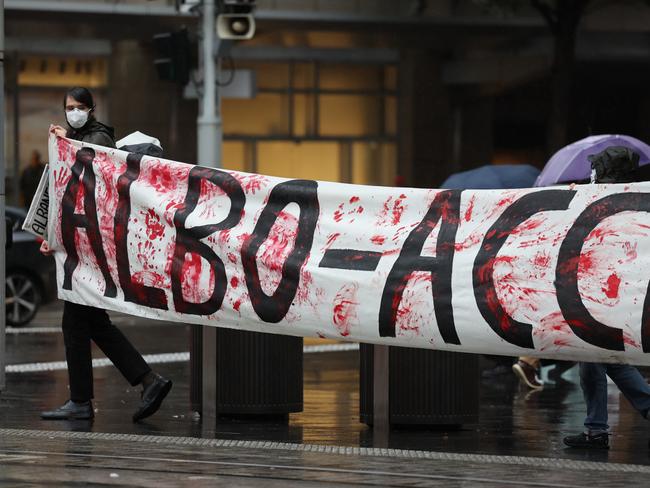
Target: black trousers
x: 81, y: 324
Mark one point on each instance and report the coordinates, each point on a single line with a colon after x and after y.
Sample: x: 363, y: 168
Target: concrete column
x: 473, y: 143
x: 424, y: 120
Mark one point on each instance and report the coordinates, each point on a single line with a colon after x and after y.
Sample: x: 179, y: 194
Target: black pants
x: 81, y: 324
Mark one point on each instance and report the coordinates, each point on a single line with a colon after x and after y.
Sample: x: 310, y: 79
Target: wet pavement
x: 517, y: 441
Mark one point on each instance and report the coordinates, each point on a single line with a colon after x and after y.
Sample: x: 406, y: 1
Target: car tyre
x: 23, y: 298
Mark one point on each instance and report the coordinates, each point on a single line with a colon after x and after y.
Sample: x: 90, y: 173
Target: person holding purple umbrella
x: 571, y: 164
x: 613, y: 165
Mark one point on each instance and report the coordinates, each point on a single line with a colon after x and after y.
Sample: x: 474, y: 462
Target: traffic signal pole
x: 209, y: 136
x: 209, y: 120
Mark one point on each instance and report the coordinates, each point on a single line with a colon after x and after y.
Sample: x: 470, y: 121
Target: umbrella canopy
x: 571, y: 163
x: 493, y: 176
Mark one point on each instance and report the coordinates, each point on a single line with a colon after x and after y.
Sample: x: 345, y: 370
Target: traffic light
x: 173, y: 60
x: 236, y: 19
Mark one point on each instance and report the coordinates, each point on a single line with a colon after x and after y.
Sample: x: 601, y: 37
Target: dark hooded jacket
x: 615, y: 164
x: 94, y: 132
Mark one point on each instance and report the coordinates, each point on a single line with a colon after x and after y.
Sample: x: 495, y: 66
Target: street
x: 518, y: 439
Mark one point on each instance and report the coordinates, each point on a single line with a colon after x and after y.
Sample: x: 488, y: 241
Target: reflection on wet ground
x: 513, y: 421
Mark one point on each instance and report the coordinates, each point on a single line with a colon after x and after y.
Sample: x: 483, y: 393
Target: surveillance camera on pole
x: 236, y: 20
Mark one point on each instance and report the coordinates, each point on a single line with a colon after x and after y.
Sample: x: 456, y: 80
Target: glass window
x: 63, y: 72
x: 233, y: 156
x: 268, y: 75
x: 310, y: 160
x: 348, y: 115
x: 390, y: 112
x: 374, y: 163
x: 263, y: 115
x: 350, y: 76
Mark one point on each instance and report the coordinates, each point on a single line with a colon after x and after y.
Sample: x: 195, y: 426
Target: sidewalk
x: 517, y: 442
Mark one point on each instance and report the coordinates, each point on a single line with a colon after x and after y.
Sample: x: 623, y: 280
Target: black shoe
x: 587, y: 441
x: 152, y: 397
x: 71, y: 411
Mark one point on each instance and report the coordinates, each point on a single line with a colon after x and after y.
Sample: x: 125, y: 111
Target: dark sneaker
x: 588, y: 441
x: 528, y: 375
x: 152, y: 397
x: 70, y: 411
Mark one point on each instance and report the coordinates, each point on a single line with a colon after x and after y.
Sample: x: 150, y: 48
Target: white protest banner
x: 554, y: 272
x: 36, y: 219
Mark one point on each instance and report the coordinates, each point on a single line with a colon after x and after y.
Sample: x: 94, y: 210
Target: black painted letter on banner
x: 148, y: 296
x: 517, y: 333
x: 70, y: 221
x: 583, y: 324
x: 350, y: 259
x: 446, y: 210
x: 188, y: 240
x: 304, y: 193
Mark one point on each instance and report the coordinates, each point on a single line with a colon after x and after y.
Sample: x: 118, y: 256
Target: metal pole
x: 209, y: 136
x: 209, y: 131
x: 380, y: 396
x: 15, y: 197
x: 3, y: 227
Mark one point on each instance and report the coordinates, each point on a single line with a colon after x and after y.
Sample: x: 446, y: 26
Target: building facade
x: 363, y: 91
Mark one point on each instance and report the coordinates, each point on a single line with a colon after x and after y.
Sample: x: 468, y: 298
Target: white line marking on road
x: 32, y: 330
x: 173, y: 357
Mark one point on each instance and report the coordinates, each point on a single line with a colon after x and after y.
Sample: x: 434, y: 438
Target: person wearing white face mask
x: 82, y: 324
x: 79, y: 106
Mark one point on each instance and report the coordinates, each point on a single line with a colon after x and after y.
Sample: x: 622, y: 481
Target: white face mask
x: 77, y: 118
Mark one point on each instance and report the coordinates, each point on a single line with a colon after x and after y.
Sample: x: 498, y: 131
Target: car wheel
x: 22, y: 298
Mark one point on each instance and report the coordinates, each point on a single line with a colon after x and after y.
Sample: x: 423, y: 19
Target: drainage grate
x: 552, y: 463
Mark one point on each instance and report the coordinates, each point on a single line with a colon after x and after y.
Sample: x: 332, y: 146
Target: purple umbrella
x: 570, y: 163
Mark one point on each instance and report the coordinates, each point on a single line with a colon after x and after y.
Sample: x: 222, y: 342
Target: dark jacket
x: 94, y: 132
x: 615, y: 164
